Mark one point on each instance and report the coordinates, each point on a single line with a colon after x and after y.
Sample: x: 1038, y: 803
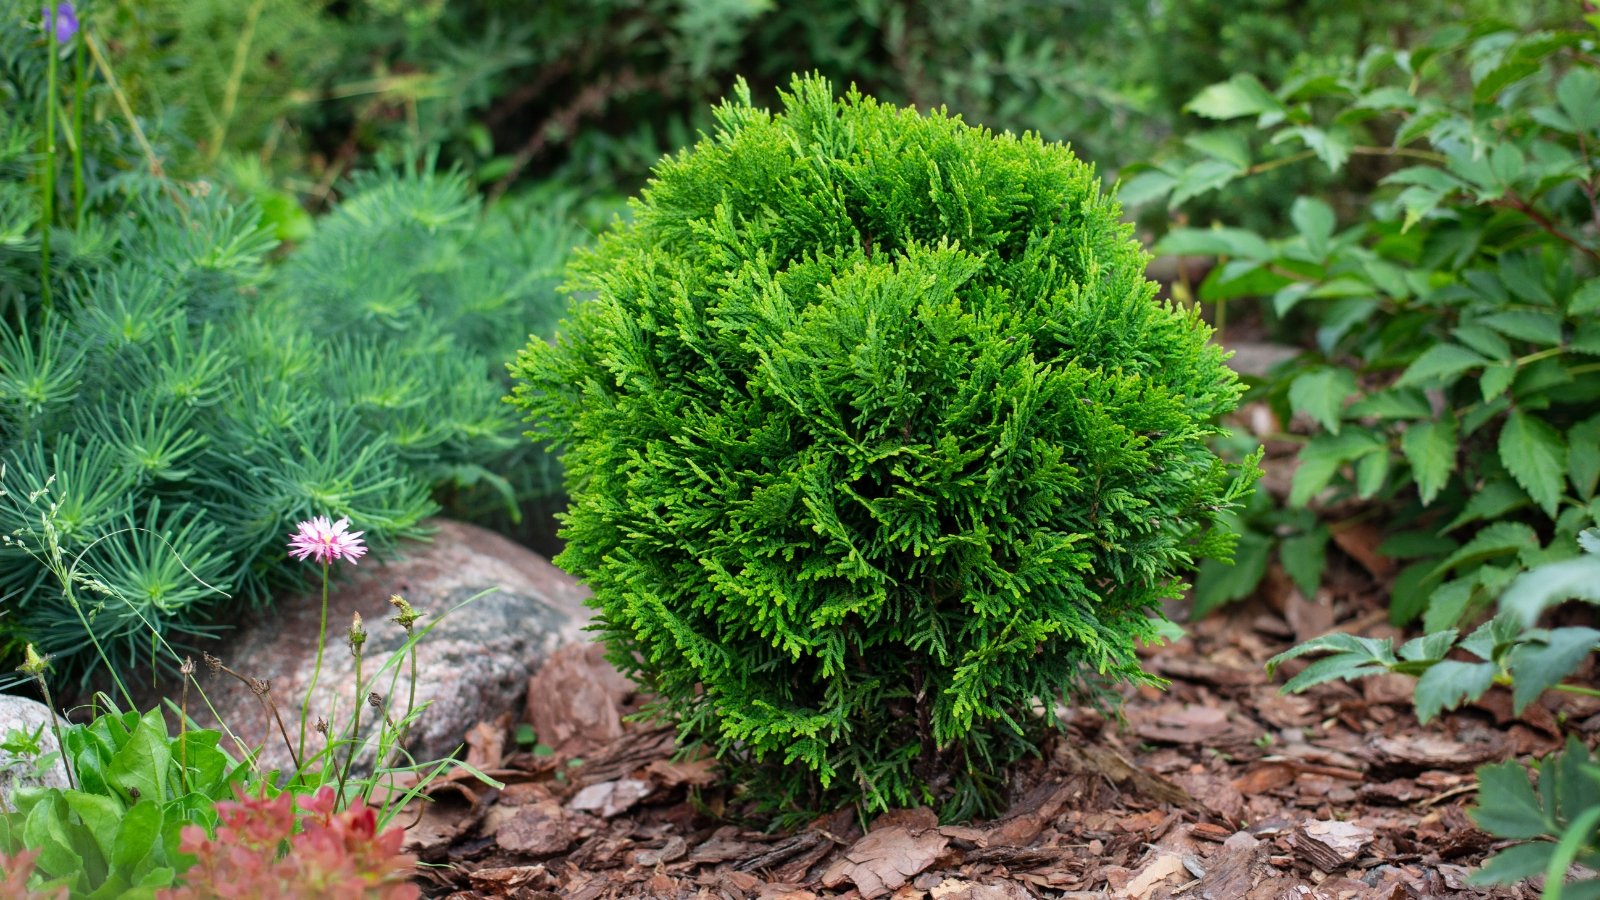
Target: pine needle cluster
x: 878, y: 442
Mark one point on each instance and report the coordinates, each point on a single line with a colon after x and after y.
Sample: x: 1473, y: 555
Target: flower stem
x: 47, y: 181
x: 316, y: 671
x: 79, y: 86
x: 355, y: 733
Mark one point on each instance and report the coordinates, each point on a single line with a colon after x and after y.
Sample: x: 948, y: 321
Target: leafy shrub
x: 1454, y: 374
x: 117, y: 833
x: 1509, y: 651
x: 331, y: 855
x: 875, y: 434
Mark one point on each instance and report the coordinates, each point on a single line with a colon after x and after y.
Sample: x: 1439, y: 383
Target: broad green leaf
x: 1218, y: 583
x: 1496, y: 539
x: 1430, y: 448
x: 137, y: 840
x: 1567, y: 781
x: 1485, y: 340
x: 1332, y: 147
x: 1412, y: 544
x: 1449, y: 683
x: 1392, y: 403
x: 1536, y: 590
x: 1145, y: 187
x: 1375, y: 650
x: 1372, y: 473
x: 1429, y: 647
x: 1320, y: 393
x: 144, y: 761
x: 1535, y: 326
x: 1506, y: 806
x: 1515, y: 863
x: 1339, y: 667
x: 1409, y: 594
x: 1228, y: 146
x: 1304, y: 557
x: 1241, y: 95
x: 1536, y: 457
x: 1449, y: 604
x: 1493, y: 500
x: 1214, y: 242
x: 1579, y: 95
x: 1440, y: 363
x: 1548, y: 657
x: 1416, y: 126
x: 1586, y: 299
x: 1315, y: 221
x: 1490, y: 83
x: 1322, y: 458
x: 1583, y: 457
x: 1202, y: 176
x: 1495, y: 379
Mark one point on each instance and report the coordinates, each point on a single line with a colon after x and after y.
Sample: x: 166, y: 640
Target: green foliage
x: 1454, y: 375
x: 187, y: 398
x: 117, y: 833
x: 1509, y: 648
x: 1560, y: 823
x: 876, y: 436
x: 1509, y: 651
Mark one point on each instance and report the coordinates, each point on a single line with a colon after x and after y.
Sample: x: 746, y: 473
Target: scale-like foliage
x: 876, y: 438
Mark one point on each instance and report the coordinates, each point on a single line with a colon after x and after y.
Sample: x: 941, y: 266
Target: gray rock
x: 18, y: 771
x: 472, y: 666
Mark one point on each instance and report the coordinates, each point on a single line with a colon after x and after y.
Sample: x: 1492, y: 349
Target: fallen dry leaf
x: 611, y: 798
x: 575, y: 700
x: 885, y: 860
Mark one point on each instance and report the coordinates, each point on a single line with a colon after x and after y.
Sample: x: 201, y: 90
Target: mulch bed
x: 1219, y: 787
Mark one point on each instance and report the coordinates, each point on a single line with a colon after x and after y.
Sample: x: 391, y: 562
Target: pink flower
x: 318, y: 539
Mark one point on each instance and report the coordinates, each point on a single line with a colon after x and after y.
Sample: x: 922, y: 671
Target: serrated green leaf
x: 1506, y: 806
x: 1332, y: 147
x: 1536, y: 590
x: 1485, y: 340
x: 1410, y: 592
x: 1314, y: 219
x: 1418, y: 125
x: 1321, y: 458
x: 1495, y: 379
x: 1440, y: 363
x: 1536, y: 456
x: 1430, y: 448
x: 1498, y: 78
x: 1305, y: 557
x: 1218, y: 583
x: 1449, y: 683
x: 1579, y: 95
x: 1535, y: 326
x: 1145, y: 187
x: 1375, y: 650
x: 1241, y: 95
x: 1583, y: 457
x: 1493, y: 500
x: 1228, y: 146
x: 1200, y: 177
x: 1320, y: 393
x: 1372, y: 473
x: 1236, y: 242
x: 1449, y: 603
x: 1515, y: 863
x: 1392, y: 403
x: 1545, y: 660
x: 1429, y: 647
x: 1586, y: 299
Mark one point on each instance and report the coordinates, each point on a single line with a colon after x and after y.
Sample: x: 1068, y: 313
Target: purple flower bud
x: 65, y: 20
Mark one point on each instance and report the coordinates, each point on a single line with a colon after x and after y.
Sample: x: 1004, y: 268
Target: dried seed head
x: 261, y: 686
x: 212, y: 663
x: 187, y: 668
x: 375, y: 700
x: 408, y: 616
x: 322, y: 725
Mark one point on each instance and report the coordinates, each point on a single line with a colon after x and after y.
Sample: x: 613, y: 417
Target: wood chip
x: 1330, y: 845
x: 885, y: 860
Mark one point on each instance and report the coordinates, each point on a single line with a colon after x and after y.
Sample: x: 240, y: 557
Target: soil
x: 1218, y: 787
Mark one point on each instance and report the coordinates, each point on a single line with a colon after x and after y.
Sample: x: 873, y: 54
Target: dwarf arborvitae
x: 878, y: 441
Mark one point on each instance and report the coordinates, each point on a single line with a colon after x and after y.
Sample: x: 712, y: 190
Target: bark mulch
x: 1218, y: 788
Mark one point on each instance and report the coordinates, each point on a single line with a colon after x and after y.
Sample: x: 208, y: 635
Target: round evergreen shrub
x: 877, y: 441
